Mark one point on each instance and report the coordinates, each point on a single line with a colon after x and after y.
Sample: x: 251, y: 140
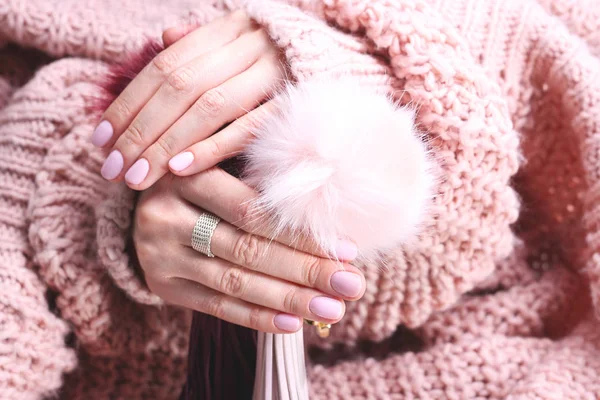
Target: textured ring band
x: 202, y: 233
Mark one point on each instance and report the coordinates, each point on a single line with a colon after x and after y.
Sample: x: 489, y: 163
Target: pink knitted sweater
x: 499, y: 299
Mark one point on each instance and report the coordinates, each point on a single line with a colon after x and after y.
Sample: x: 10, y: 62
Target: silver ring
x: 203, y: 232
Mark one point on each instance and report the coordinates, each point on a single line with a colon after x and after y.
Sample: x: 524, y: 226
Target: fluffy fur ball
x: 337, y: 160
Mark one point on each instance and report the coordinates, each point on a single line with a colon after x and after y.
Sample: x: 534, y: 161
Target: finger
x: 171, y: 35
x: 212, y: 110
x: 194, y: 296
x: 274, y: 259
x: 174, y: 97
x: 119, y: 115
x: 231, y: 199
x: 269, y: 257
x: 249, y: 285
x: 222, y: 194
x: 224, y: 144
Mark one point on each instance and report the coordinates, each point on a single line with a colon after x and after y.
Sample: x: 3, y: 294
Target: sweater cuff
x: 116, y: 252
x: 312, y: 48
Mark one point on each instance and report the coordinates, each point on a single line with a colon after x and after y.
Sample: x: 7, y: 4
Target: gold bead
x: 322, y: 328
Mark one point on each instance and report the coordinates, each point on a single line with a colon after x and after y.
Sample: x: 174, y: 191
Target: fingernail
x: 326, y: 307
x: 112, y: 166
x: 287, y: 322
x: 138, y: 171
x: 181, y: 161
x: 102, y: 134
x: 346, y: 250
x: 347, y: 284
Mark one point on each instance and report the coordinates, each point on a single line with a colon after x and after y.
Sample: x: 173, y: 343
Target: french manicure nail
x: 346, y: 250
x: 181, y: 161
x: 287, y: 322
x: 347, y: 284
x: 138, y: 171
x: 326, y: 307
x: 102, y: 134
x: 112, y: 165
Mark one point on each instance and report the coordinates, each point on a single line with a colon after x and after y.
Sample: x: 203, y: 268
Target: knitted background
x: 508, y: 92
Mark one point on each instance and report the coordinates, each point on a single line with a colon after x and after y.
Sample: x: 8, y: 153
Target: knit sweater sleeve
x: 33, y: 351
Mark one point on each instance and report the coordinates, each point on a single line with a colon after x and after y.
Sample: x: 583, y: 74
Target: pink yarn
x: 502, y: 310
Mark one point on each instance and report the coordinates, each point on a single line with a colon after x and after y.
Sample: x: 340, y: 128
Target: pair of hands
x: 169, y: 119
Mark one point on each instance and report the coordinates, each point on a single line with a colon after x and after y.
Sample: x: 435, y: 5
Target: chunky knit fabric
x: 495, y: 301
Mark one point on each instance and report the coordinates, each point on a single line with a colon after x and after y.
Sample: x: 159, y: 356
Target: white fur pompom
x: 340, y: 161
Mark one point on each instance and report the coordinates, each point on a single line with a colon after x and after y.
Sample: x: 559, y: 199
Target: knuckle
x: 214, y: 148
x: 254, y: 318
x: 153, y: 218
x: 181, y: 79
x: 134, y: 133
x: 247, y: 250
x: 312, y: 270
x: 121, y: 106
x: 244, y: 213
x: 215, y: 306
x: 291, y: 301
x: 166, y: 145
x: 211, y: 103
x: 166, y: 61
x: 250, y: 123
x: 232, y: 282
x: 146, y: 214
x: 305, y: 243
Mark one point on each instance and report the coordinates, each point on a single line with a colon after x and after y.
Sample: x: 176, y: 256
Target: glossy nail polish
x: 287, y: 322
x: 102, y: 134
x: 138, y: 172
x: 347, y: 284
x: 326, y: 307
x: 181, y: 161
x: 112, y: 165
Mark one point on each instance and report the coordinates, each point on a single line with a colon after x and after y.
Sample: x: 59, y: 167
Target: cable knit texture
x: 499, y: 298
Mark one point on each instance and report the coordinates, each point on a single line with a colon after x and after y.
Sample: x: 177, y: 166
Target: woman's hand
x: 253, y: 281
x: 166, y: 117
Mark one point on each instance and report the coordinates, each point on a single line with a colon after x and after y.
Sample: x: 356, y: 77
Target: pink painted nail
x: 102, y: 134
x: 346, y: 250
x: 347, y: 284
x: 138, y: 172
x: 181, y: 161
x: 326, y: 307
x: 112, y: 166
x: 287, y: 322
